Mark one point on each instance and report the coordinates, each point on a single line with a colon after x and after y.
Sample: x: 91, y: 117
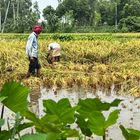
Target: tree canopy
x: 18, y: 15
x: 21, y: 15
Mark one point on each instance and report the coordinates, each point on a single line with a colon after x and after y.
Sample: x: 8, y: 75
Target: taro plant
x: 91, y: 119
x: 55, y: 126
x: 130, y: 134
x: 60, y: 115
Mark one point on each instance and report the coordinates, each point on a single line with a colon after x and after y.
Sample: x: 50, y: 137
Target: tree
x: 1, y: 10
x: 130, y: 24
x: 17, y: 15
x: 116, y: 3
x: 92, y: 6
x: 52, y: 19
x: 130, y: 16
x: 36, y: 9
x: 5, y: 18
x: 131, y: 9
x: 106, y: 10
x: 80, y: 8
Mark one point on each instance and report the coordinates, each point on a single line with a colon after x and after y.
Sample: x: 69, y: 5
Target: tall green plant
x: 91, y: 119
x: 60, y: 115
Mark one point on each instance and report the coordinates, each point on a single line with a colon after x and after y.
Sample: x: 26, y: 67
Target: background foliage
x: 72, y: 16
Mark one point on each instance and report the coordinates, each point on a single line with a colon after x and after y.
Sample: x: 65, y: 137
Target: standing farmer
x: 32, y: 51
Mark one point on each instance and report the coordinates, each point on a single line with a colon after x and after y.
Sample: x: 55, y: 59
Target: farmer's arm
x: 34, y: 51
x: 29, y: 46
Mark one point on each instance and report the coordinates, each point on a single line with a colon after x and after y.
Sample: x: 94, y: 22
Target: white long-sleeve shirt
x: 32, y: 45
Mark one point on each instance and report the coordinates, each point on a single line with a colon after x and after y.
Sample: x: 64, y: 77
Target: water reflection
x: 130, y: 107
x: 129, y: 115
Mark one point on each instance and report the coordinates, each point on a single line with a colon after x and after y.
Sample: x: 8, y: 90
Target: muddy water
x: 129, y: 115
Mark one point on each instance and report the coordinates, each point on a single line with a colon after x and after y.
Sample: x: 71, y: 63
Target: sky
x: 44, y: 3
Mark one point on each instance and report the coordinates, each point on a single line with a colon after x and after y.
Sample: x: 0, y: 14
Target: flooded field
x: 129, y: 115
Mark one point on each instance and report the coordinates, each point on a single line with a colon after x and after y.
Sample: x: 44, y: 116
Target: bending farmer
x: 53, y: 52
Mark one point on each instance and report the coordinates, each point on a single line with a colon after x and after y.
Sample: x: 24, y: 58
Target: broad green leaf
x: 50, y: 106
x: 52, y: 136
x: 32, y: 117
x: 1, y: 122
x: 67, y: 116
x: 113, y: 116
x: 63, y: 110
x: 53, y: 124
x: 5, y: 135
x: 50, y: 118
x: 115, y: 103
x: 50, y: 123
x: 96, y: 123
x: 135, y: 132
x: 43, y: 124
x: 83, y: 124
x: 23, y: 126
x: 16, y: 96
x: 95, y: 104
x: 133, y: 137
x: 124, y: 132
x: 55, y: 108
x: 89, y: 105
x: 128, y: 135
x: 69, y: 133
x: 2, y: 98
x: 40, y: 136
x: 63, y: 104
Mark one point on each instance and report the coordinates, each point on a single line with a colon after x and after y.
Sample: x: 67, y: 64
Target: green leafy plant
x: 55, y: 123
x: 59, y: 116
x: 91, y: 119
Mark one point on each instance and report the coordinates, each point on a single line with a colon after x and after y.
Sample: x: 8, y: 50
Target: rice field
x: 91, y: 61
